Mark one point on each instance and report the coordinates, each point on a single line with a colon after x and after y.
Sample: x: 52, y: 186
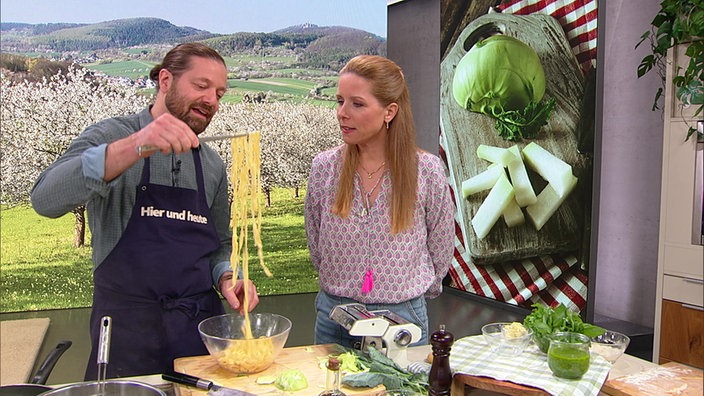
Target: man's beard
x: 179, y: 108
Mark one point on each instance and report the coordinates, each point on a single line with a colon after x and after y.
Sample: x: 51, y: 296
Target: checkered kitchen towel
x: 472, y: 356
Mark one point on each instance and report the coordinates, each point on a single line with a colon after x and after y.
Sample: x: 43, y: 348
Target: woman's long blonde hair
x: 388, y: 86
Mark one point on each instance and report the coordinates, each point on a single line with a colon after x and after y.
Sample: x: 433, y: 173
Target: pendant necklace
x: 370, y: 174
x: 366, y: 195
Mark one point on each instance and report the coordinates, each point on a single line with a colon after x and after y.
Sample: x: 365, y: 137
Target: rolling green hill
x: 89, y: 37
x: 298, y: 63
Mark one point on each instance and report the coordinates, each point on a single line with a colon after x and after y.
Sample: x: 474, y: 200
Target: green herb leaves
x: 524, y: 124
x: 544, y: 321
x: 382, y: 370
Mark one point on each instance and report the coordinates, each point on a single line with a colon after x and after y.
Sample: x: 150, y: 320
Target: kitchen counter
x: 307, y: 358
x: 625, y: 365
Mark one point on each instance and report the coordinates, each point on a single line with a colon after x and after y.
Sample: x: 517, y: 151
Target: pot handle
x: 49, y: 362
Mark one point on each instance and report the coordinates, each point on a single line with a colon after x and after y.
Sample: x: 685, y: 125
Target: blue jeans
x: 327, y: 331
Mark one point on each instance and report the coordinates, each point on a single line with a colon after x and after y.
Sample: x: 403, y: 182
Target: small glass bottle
x: 440, y: 377
x: 332, y: 380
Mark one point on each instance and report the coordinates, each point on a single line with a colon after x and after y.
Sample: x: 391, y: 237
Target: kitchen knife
x: 213, y: 389
x: 146, y: 148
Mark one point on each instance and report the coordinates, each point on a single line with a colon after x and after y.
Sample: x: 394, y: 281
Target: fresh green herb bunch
x: 544, y: 321
x: 516, y: 125
x: 379, y: 369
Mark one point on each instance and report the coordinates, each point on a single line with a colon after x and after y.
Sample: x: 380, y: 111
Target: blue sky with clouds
x: 216, y: 16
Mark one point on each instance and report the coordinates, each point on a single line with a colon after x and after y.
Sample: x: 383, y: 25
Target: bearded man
x: 159, y: 213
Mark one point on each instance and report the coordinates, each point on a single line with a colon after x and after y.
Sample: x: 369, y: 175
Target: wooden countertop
x: 304, y: 358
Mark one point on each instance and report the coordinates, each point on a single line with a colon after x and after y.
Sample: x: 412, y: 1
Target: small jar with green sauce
x: 568, y: 355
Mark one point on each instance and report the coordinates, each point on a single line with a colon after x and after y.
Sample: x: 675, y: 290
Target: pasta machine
x: 384, y: 330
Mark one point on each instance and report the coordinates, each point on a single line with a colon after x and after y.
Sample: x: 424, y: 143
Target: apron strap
x: 200, y: 182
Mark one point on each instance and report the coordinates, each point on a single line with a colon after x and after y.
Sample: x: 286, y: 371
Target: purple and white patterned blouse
x: 403, y: 266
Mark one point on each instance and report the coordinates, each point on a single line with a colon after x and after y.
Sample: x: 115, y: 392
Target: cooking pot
x: 36, y: 385
x: 112, y: 388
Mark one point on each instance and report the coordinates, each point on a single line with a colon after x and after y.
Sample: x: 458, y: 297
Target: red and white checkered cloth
x: 549, y: 279
x: 577, y: 18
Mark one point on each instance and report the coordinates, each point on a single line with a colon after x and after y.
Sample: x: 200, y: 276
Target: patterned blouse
x: 403, y: 266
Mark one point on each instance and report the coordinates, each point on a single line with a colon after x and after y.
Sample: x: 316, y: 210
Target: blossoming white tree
x: 39, y: 121
x: 291, y: 134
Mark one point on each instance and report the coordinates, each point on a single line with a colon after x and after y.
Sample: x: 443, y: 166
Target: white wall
x: 414, y: 43
x: 630, y: 172
x: 627, y: 202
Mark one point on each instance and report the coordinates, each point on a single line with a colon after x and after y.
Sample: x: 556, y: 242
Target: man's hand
x: 166, y: 134
x: 235, y: 296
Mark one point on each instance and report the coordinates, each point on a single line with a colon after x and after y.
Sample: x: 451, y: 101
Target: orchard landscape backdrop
x: 59, y: 78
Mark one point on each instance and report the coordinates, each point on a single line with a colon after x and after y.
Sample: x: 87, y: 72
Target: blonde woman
x: 379, y: 215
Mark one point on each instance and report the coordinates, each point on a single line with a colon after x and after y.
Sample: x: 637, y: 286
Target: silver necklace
x: 367, y: 195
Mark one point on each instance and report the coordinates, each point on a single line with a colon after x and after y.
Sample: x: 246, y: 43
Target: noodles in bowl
x: 227, y: 341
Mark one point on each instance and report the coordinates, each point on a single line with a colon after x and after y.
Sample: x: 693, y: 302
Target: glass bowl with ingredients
x: 610, y: 345
x: 241, y: 350
x: 506, y: 338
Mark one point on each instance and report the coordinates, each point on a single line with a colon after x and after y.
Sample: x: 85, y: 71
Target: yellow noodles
x: 248, y: 356
x: 246, y: 205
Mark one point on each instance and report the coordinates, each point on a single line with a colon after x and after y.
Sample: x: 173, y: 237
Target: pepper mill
x: 440, y: 378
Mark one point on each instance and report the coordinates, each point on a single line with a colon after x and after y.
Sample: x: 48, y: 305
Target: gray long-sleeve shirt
x: 76, y: 178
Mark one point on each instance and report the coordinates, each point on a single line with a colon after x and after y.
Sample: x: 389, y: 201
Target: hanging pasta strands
x: 246, y: 206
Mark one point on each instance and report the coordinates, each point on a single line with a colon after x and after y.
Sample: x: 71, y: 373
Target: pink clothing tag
x: 368, y: 283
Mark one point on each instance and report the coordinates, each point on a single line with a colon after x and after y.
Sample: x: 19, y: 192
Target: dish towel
x: 472, y: 356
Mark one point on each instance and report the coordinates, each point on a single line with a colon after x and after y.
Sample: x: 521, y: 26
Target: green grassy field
x: 132, y: 69
x: 40, y: 269
x: 280, y: 86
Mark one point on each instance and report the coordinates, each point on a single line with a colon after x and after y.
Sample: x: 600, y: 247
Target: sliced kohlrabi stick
x: 493, y: 206
x: 557, y: 172
x: 497, y: 155
x: 547, y: 204
x: 482, y: 181
x: 525, y: 195
x: 513, y: 215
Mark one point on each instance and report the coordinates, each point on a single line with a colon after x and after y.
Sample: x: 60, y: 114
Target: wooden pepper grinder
x: 440, y: 378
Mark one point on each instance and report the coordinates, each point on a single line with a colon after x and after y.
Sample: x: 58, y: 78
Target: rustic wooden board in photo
x: 464, y: 131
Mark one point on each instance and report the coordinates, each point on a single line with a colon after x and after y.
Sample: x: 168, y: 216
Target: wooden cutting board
x: 464, y: 131
x: 306, y: 359
x: 668, y: 379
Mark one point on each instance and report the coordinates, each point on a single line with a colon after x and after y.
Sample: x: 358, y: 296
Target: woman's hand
x: 235, y: 296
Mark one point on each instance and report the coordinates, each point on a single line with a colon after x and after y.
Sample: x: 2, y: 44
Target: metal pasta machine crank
x: 384, y: 330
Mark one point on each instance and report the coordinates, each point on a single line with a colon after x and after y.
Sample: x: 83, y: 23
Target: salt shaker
x: 440, y: 378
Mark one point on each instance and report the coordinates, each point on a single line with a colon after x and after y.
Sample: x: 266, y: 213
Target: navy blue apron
x: 156, y: 283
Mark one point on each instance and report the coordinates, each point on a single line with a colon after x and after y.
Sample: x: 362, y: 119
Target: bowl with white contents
x: 506, y: 338
x: 610, y: 345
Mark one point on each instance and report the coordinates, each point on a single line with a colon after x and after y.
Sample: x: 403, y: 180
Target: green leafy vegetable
x: 544, y: 321
x: 349, y: 363
x: 382, y: 370
x: 524, y: 124
x: 502, y: 77
x: 291, y: 380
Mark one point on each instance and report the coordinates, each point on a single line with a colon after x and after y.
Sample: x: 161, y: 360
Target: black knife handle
x: 187, y: 379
